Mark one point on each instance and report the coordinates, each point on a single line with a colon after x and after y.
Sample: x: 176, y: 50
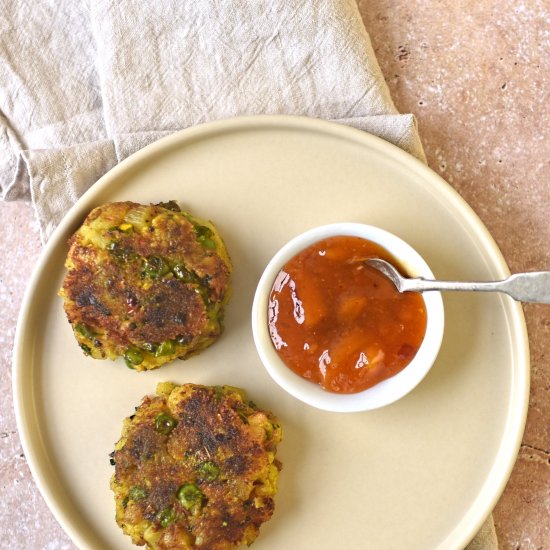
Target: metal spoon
x: 524, y: 287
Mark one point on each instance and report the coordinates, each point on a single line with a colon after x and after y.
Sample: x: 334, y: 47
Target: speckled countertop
x: 477, y: 75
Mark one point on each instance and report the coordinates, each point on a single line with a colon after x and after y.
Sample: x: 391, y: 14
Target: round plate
x: 421, y: 473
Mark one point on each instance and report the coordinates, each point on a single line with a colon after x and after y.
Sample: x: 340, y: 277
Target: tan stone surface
x: 476, y: 74
x: 25, y: 521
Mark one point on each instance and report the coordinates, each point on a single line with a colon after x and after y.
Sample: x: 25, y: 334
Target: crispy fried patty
x: 148, y: 283
x: 195, y: 467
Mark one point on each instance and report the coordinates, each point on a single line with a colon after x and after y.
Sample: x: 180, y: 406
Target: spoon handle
x: 524, y: 287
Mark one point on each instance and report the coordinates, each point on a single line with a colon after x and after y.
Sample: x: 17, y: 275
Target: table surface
x: 476, y: 75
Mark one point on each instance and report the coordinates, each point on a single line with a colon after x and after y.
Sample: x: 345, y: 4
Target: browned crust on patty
x: 214, y: 426
x: 140, y: 276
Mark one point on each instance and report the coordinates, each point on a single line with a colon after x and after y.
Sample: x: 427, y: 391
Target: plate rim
x: 515, y: 422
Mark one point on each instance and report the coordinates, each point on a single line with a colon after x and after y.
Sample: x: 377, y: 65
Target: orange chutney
x: 340, y: 323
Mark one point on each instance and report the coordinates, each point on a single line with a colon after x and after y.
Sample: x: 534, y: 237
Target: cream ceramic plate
x: 421, y: 473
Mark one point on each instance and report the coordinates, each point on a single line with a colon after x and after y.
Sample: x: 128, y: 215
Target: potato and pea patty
x: 148, y: 283
x: 195, y: 467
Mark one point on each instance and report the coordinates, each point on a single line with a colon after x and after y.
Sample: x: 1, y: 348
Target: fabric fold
x: 130, y: 73
x: 72, y: 170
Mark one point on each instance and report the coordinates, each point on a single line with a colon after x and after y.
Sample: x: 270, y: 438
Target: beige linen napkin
x: 84, y: 86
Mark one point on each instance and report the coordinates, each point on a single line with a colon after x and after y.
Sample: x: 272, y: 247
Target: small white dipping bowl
x: 383, y: 393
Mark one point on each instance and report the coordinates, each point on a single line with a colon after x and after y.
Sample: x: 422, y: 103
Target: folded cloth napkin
x: 83, y: 86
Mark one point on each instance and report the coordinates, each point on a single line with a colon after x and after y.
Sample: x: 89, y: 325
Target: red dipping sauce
x: 342, y: 324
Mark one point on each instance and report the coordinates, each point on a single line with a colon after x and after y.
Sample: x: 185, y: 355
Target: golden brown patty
x: 148, y: 283
x: 195, y: 468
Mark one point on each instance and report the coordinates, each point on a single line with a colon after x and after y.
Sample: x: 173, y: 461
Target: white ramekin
x: 383, y: 393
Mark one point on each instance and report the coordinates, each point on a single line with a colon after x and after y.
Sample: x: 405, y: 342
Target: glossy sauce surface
x: 339, y: 323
